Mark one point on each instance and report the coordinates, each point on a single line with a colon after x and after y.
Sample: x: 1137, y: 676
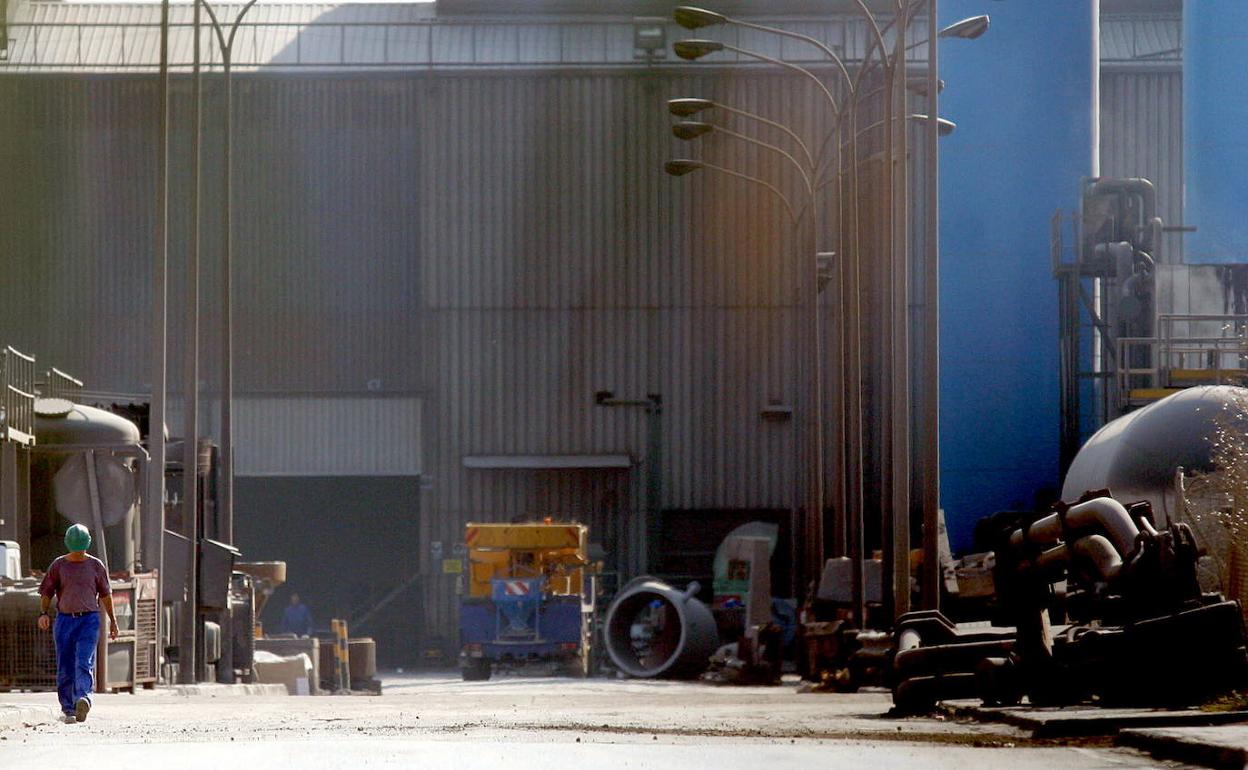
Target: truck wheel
x: 578, y: 666
x: 476, y: 670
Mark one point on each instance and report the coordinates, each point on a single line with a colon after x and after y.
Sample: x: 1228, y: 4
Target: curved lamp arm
x: 792, y: 67
x: 810, y: 161
x: 770, y: 147
x: 682, y: 167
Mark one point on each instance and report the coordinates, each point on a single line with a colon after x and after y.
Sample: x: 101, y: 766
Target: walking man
x: 80, y: 584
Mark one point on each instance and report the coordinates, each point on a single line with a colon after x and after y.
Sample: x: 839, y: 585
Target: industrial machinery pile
x: 63, y: 461
x: 1094, y: 602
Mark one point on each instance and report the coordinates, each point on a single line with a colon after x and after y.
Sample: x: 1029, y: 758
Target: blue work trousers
x: 76, y: 638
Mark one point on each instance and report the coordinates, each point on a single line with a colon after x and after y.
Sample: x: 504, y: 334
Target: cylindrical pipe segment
x: 653, y: 630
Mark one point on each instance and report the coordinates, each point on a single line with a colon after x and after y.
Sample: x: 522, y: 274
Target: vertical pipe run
x: 885, y: 245
x: 226, y: 515
x: 930, y: 421
x: 188, y: 651
x: 815, y: 509
x: 899, y: 464
x: 854, y: 458
x: 654, y: 480
x: 153, y: 555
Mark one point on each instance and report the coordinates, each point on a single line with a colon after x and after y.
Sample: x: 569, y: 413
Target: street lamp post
x: 808, y: 285
x: 154, y: 536
x: 225, y: 42
x: 887, y: 229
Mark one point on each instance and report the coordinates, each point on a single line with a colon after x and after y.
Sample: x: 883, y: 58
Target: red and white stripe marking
x: 516, y: 588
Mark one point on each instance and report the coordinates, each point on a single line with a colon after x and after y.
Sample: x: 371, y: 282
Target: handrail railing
x: 18, y: 397
x: 1212, y: 350
x: 58, y: 384
x: 364, y: 44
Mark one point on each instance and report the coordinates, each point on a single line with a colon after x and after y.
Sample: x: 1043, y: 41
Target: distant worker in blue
x: 297, y: 619
x: 79, y: 583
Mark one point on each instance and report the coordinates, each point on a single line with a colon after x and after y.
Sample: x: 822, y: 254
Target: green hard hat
x: 77, y: 538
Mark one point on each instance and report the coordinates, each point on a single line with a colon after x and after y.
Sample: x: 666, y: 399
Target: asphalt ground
x: 437, y: 721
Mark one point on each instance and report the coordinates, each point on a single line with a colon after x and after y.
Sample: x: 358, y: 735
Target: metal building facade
x: 486, y: 246
x: 497, y: 247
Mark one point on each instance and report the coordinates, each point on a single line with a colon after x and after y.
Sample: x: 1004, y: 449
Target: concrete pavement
x: 443, y: 722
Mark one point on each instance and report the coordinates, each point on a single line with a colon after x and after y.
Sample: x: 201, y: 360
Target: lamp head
x: 682, y: 166
x: 944, y: 126
x: 918, y: 86
x: 684, y: 108
x: 691, y: 129
x: 696, y: 48
x: 690, y: 17
x: 967, y: 29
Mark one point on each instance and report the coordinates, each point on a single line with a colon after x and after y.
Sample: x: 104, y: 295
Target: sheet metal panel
x: 118, y: 36
x: 1002, y: 177
x: 328, y: 436
x: 1215, y: 108
x: 1142, y: 135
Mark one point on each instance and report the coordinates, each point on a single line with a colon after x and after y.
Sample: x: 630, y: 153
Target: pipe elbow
x: 1099, y: 552
x: 1110, y: 516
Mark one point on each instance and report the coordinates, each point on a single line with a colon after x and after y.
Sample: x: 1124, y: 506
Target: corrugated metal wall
x: 1142, y: 135
x: 498, y: 246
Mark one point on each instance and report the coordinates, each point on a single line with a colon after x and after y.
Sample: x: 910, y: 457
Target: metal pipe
x: 929, y: 450
x: 1105, y: 512
x: 225, y: 515
x: 855, y: 457
x: 815, y: 504
x: 778, y: 126
x: 153, y: 553
x: 653, y: 630
x: 899, y: 463
x: 188, y: 657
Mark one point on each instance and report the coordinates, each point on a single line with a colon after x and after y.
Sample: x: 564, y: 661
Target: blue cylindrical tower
x: 1024, y: 97
x: 1215, y: 130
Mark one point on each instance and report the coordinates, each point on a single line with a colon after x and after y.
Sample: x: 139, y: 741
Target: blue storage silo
x: 1215, y: 130
x: 1024, y: 100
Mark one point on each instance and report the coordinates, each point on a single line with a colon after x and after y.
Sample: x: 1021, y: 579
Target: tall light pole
x: 929, y: 580
x: 808, y: 271
x: 188, y: 649
x: 886, y: 226
x: 226, y: 43
x: 154, y: 529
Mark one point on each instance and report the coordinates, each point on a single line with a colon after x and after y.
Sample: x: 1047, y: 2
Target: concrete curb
x: 19, y: 716
x: 1190, y: 746
x: 230, y: 690
x: 1079, y: 721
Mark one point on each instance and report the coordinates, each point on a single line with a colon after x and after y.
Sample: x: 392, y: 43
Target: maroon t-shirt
x: 77, y: 585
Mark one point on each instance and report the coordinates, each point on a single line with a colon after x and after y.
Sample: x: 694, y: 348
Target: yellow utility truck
x: 529, y: 598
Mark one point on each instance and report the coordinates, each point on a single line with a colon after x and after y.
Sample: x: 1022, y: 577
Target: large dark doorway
x: 348, y: 542
x: 689, y: 539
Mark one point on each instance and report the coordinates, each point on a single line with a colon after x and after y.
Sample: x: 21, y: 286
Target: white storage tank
x: 1137, y: 455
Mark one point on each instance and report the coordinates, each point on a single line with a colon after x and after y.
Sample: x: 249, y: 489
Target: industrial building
x: 452, y: 230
